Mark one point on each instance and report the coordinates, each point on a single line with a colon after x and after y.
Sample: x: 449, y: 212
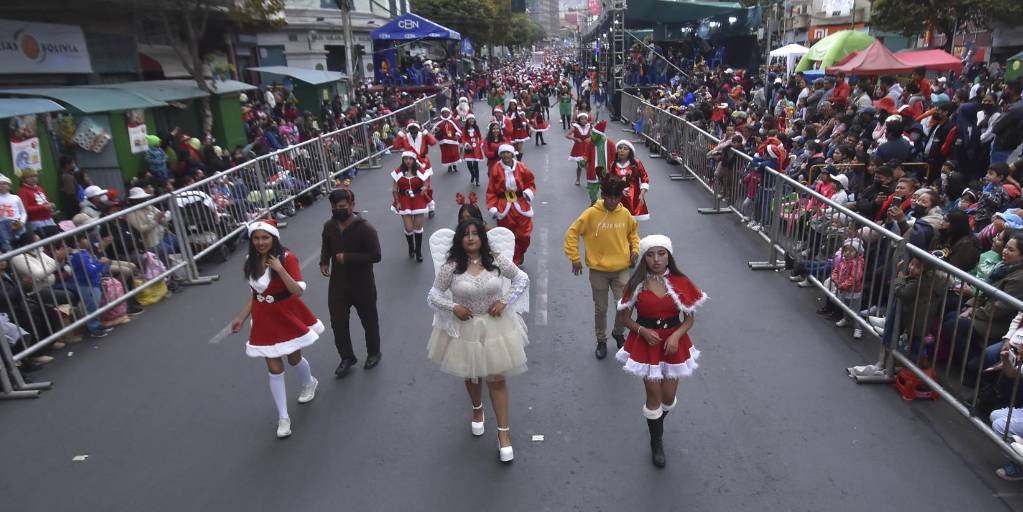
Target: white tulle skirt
x: 485, y: 347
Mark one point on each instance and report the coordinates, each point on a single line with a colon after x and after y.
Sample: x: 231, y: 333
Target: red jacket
x: 35, y: 202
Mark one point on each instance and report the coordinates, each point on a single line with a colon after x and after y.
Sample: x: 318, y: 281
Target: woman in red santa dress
x: 539, y: 125
x: 519, y: 123
x: 510, y: 190
x: 580, y: 137
x: 492, y: 143
x: 472, y: 148
x: 658, y: 349
x: 629, y: 169
x: 415, y: 140
x: 282, y: 325
x: 411, y: 200
x: 449, y: 134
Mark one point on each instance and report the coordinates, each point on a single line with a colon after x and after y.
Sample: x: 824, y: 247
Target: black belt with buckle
x: 413, y: 191
x: 658, y: 323
x: 270, y: 299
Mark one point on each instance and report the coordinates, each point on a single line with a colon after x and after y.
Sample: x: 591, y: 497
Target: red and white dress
x: 519, y: 126
x: 539, y: 123
x: 651, y: 362
x: 581, y: 135
x: 281, y: 322
x: 472, y: 145
x: 449, y: 134
x: 411, y: 199
x: 635, y: 175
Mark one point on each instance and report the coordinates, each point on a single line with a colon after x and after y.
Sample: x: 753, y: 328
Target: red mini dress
x: 650, y: 362
x: 411, y: 200
x: 281, y: 323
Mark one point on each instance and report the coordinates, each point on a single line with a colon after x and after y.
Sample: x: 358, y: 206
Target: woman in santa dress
x: 539, y: 125
x: 472, y: 148
x: 519, y: 126
x: 580, y: 137
x: 492, y: 145
x: 411, y: 200
x: 448, y: 133
x: 629, y: 169
x: 658, y: 348
x: 282, y: 325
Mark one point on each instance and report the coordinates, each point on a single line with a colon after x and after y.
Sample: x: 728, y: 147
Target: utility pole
x: 346, y: 7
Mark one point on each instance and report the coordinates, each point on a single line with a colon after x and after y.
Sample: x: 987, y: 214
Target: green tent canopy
x: 834, y: 48
x: 1014, y: 67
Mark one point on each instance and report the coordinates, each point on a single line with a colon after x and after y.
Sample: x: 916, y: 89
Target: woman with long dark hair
x: 475, y: 337
x: 956, y: 242
x: 492, y: 144
x: 628, y: 169
x: 411, y: 199
x: 658, y: 348
x: 282, y: 325
x: 472, y: 148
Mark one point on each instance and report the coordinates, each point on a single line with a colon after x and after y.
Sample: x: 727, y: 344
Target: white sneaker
x: 857, y: 333
x: 308, y: 392
x: 842, y: 323
x: 796, y: 279
x: 283, y: 428
x: 805, y: 283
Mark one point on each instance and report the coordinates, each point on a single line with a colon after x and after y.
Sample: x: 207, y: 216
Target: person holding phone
x: 282, y: 325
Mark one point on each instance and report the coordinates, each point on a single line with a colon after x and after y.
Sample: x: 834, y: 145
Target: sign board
x: 42, y: 48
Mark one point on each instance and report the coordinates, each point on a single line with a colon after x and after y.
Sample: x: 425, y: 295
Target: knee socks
x: 419, y: 242
x: 305, y: 372
x: 279, y: 393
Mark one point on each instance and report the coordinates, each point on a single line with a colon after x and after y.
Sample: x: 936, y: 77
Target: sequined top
x: 477, y: 292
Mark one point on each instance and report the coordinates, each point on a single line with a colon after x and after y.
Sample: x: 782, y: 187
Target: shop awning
x: 13, y: 107
x: 413, y: 26
x: 648, y: 12
x: 178, y: 90
x: 932, y: 59
x: 309, y: 76
x: 88, y: 99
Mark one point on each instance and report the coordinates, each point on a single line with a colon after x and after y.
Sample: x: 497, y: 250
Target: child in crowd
x: 847, y: 280
x: 994, y: 198
x: 88, y: 272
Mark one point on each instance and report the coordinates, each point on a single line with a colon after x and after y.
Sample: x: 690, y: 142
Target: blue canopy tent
x: 399, y: 32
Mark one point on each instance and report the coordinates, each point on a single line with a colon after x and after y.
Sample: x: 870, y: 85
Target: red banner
x: 595, y: 7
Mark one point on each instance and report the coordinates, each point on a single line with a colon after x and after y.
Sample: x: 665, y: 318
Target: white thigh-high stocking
x: 279, y: 393
x: 304, y: 372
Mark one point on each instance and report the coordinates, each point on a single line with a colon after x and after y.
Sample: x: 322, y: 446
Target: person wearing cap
x: 580, y: 137
x: 472, y: 148
x: 659, y: 349
x: 149, y: 221
x: 448, y: 133
x: 96, y: 202
x: 511, y: 189
x: 611, y: 240
x: 156, y: 159
x: 282, y: 325
x: 411, y: 199
x: 630, y: 170
x: 13, y: 217
x: 40, y: 209
x: 417, y: 141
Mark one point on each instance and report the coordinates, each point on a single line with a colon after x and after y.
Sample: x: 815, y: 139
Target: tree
x: 487, y: 22
x: 913, y: 17
x: 185, y: 23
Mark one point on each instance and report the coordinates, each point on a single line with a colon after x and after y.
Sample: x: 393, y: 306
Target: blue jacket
x: 156, y: 161
x: 87, y: 269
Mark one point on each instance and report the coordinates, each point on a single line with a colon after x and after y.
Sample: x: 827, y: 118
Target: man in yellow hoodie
x: 611, y: 237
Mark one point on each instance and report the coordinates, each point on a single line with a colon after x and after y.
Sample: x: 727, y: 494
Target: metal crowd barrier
x: 934, y: 321
x: 94, y: 275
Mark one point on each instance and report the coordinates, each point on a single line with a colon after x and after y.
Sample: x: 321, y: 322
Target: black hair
x: 639, y: 275
x: 490, y: 133
x: 457, y: 253
x: 612, y: 187
x: 341, y: 194
x: 472, y: 209
x: 999, y: 168
x: 632, y: 153
x: 958, y: 227
x: 253, y: 267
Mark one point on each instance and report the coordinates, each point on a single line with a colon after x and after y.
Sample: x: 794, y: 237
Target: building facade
x: 545, y: 13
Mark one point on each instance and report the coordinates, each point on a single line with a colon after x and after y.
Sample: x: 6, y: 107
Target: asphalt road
x: 173, y: 416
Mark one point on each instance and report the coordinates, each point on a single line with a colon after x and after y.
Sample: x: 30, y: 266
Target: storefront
x: 25, y: 141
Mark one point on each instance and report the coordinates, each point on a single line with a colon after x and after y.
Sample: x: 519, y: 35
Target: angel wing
x: 502, y: 241
x: 440, y: 245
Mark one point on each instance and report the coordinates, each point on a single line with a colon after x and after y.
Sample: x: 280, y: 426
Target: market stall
x: 791, y: 53
x: 311, y: 87
x: 933, y: 59
x: 875, y: 60
x: 834, y: 48
x: 26, y: 143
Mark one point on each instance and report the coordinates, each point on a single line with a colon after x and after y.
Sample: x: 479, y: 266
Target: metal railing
x: 97, y: 275
x: 940, y: 327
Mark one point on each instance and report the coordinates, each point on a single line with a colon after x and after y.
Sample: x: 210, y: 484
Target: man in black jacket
x: 1008, y: 129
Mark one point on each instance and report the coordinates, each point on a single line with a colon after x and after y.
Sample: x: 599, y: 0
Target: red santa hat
x: 601, y: 126
x: 626, y: 144
x: 411, y: 123
x: 470, y: 115
x: 409, y: 154
x: 498, y: 110
x: 268, y: 225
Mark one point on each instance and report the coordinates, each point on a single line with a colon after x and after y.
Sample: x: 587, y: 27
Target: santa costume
x: 539, y: 125
x: 519, y: 123
x: 410, y: 198
x: 472, y: 149
x: 510, y: 192
x: 594, y: 160
x: 281, y: 325
x: 581, y: 135
x: 449, y: 133
x: 420, y: 145
x: 463, y: 109
x: 635, y: 176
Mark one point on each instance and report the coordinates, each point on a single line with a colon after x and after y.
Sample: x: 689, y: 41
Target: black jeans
x: 365, y: 303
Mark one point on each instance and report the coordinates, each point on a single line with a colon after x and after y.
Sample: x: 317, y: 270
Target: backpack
x: 112, y: 290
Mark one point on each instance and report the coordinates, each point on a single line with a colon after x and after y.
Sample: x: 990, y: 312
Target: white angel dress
x: 483, y: 346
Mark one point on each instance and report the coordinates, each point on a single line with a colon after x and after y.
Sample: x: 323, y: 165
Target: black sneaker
x: 601, y: 351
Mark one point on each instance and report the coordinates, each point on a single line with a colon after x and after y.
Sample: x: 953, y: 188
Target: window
x: 328, y: 4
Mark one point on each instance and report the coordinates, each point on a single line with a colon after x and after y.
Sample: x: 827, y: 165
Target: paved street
x: 174, y: 417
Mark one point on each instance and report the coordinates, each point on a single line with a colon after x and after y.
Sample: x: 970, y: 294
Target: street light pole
x: 346, y: 7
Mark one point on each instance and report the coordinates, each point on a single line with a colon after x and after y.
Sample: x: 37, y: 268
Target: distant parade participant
x: 595, y: 172
x: 539, y: 125
x: 511, y: 188
x: 463, y: 109
x: 628, y: 169
x: 472, y: 148
x: 519, y: 122
x: 565, y: 105
x: 449, y: 134
x: 411, y: 199
x: 282, y: 325
x: 580, y: 137
x: 415, y: 140
x: 492, y: 144
x: 658, y: 349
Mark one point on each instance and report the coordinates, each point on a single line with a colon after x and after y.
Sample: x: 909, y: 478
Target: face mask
x: 987, y: 108
x: 914, y: 136
x: 341, y: 214
x: 919, y: 211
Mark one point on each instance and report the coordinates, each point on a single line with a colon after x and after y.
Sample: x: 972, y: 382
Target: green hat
x: 153, y: 140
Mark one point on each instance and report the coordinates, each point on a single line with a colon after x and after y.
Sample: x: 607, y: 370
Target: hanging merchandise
x: 25, y: 144
x: 137, y: 130
x: 66, y: 129
x: 90, y: 136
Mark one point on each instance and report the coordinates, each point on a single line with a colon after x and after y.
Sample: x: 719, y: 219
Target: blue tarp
x: 413, y: 26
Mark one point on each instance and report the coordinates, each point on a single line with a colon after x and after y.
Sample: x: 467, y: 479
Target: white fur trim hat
x: 410, y: 154
x: 650, y: 241
x: 413, y: 123
x: 470, y: 115
x: 626, y: 144
x: 582, y: 115
x: 506, y: 147
x: 445, y: 109
x: 268, y: 225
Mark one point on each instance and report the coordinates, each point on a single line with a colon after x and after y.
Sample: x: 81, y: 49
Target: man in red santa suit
x: 414, y: 139
x: 594, y: 159
x: 449, y: 133
x: 510, y: 190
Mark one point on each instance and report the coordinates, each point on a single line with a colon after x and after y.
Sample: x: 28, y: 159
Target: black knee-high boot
x: 411, y: 247
x: 657, y: 441
x: 419, y: 247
